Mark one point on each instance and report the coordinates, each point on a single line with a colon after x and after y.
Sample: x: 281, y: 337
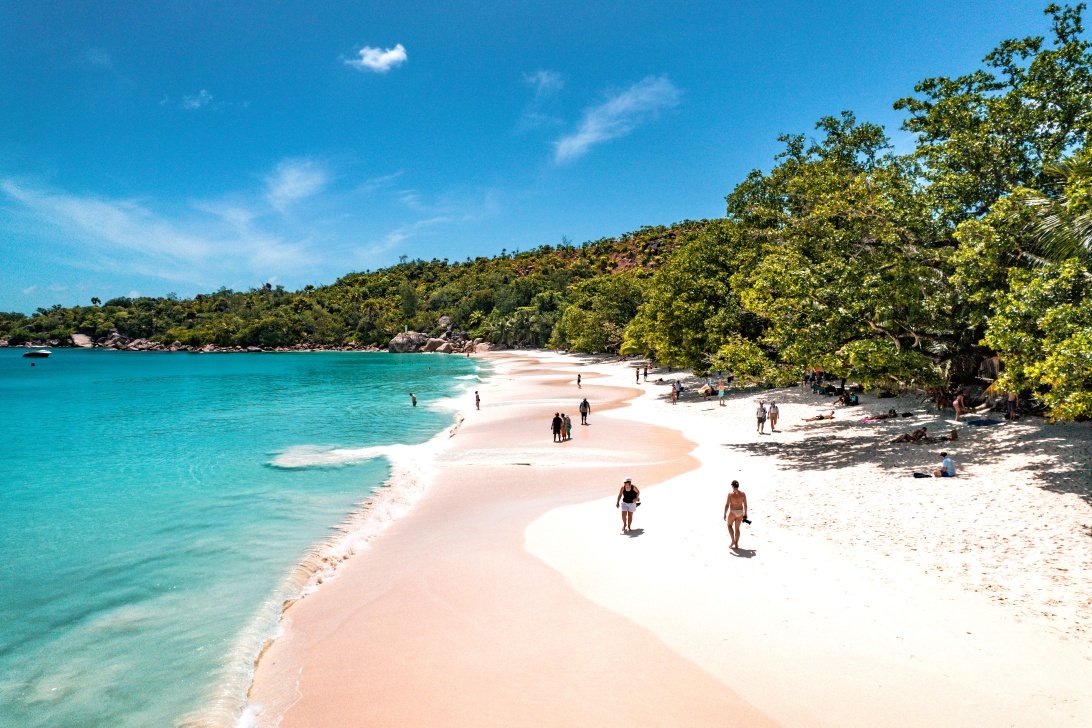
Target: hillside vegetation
x: 968, y: 254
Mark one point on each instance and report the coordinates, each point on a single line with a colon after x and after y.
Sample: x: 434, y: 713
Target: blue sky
x: 157, y: 147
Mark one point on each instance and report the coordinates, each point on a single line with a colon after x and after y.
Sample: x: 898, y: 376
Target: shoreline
x: 408, y: 479
x: 367, y: 607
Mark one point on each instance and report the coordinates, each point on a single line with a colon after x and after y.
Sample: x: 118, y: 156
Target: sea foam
x: 411, y: 472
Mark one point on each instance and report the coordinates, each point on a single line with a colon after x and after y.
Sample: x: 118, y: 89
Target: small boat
x: 37, y: 354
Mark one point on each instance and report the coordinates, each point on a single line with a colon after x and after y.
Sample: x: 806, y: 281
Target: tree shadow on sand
x: 1056, y: 455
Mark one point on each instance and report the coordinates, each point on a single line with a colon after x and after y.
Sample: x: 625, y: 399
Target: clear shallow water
x: 145, y: 537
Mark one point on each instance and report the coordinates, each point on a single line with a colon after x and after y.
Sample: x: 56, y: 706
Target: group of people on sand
x: 763, y: 413
x: 735, y: 508
x: 562, y: 425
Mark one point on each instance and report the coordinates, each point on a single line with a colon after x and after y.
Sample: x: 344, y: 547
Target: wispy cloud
x: 293, y: 180
x: 544, y: 82
x: 197, y: 100
x: 537, y: 113
x: 122, y: 235
x: 617, y: 116
x: 378, y: 60
x: 301, y: 219
x: 100, y: 58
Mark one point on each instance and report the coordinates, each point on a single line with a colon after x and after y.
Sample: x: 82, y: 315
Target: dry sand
x: 860, y: 597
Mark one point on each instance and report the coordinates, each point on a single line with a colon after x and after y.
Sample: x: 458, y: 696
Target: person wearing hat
x: 628, y: 499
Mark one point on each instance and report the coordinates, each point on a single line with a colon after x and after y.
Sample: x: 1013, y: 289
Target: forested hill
x: 968, y: 255
x: 514, y: 299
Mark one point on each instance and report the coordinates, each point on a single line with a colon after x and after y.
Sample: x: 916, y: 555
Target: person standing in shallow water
x: 567, y: 426
x: 555, y: 426
x: 585, y: 410
x: 735, y: 512
x: 628, y: 499
x: 413, y: 398
x: 477, y: 400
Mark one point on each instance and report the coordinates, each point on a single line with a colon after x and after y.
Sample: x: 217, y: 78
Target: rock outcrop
x: 82, y: 341
x: 433, y: 344
x: 408, y: 341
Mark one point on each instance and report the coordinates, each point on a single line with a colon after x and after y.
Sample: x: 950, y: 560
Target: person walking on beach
x: 735, y: 512
x: 646, y: 372
x: 675, y: 391
x: 477, y: 400
x: 760, y: 416
x: 638, y: 373
x: 1010, y: 406
x: 773, y: 412
x: 585, y: 410
x: 720, y: 391
x: 567, y: 424
x: 958, y: 404
x: 578, y: 385
x: 413, y: 398
x: 555, y: 426
x: 628, y: 499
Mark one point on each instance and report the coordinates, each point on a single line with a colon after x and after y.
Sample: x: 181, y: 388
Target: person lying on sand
x: 915, y: 436
x: 816, y: 418
x: 953, y: 435
x: 890, y: 414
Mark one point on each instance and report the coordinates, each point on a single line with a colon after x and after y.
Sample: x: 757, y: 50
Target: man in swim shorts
x: 735, y: 510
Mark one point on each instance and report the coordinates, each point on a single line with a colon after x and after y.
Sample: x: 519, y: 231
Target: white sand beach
x: 860, y: 596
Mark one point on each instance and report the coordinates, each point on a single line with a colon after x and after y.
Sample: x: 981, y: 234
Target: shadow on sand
x: 1051, y: 453
x: 743, y: 553
x: 634, y: 532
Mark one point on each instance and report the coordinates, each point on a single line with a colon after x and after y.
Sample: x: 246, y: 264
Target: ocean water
x: 155, y: 511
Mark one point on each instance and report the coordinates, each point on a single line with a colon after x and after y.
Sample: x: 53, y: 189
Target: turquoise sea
x: 149, y: 530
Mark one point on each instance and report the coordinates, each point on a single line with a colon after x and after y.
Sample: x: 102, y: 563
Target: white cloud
x: 197, y: 100
x: 293, y: 180
x: 126, y: 236
x: 619, y: 115
x: 100, y: 58
x: 544, y: 82
x: 379, y: 60
x: 537, y: 114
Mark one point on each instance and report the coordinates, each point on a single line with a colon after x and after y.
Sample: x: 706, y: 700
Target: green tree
x: 983, y: 134
x: 1042, y: 330
x: 839, y: 259
x: 598, y: 312
x: 689, y: 306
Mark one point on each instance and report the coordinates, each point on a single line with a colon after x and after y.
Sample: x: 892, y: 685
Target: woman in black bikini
x: 628, y: 499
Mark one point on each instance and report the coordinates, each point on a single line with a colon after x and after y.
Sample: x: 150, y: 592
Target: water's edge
x: 410, y: 476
